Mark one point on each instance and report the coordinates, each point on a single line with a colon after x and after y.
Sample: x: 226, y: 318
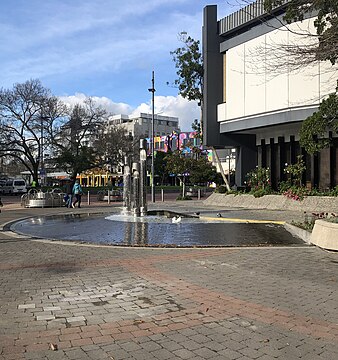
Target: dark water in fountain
x: 153, y: 231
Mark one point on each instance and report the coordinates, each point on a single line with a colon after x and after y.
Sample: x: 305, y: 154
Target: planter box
x: 275, y: 202
x: 325, y: 235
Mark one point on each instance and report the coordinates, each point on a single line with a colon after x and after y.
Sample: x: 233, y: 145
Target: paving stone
x: 247, y: 303
x: 45, y: 317
x: 26, y: 306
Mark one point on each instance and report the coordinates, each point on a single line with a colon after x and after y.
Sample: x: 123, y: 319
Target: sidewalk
x: 96, y: 302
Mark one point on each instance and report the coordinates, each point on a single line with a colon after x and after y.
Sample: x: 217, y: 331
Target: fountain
x: 134, y: 185
x: 135, y: 226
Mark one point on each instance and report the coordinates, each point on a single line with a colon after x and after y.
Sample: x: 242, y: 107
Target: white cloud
x: 186, y: 111
x: 176, y: 106
x: 108, y: 104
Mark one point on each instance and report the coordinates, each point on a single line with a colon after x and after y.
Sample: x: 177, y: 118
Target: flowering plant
x: 296, y: 193
x: 259, y: 178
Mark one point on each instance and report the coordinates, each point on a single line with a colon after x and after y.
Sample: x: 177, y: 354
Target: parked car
x: 2, y: 184
x: 115, y: 195
x: 193, y: 191
x: 14, y: 187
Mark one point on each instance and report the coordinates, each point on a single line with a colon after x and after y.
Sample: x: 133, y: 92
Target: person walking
x: 77, y: 192
x: 69, y: 190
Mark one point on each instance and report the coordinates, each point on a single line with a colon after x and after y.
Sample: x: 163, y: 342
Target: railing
x: 34, y: 198
x: 242, y: 16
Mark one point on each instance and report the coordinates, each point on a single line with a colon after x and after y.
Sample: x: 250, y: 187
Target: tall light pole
x: 152, y: 90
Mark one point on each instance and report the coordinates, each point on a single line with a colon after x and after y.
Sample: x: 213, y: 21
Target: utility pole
x: 152, y: 90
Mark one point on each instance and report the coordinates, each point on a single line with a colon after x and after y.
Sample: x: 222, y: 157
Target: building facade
x: 255, y: 101
x: 137, y: 127
x: 141, y: 126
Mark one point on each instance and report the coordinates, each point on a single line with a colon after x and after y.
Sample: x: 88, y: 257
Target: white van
x: 14, y: 186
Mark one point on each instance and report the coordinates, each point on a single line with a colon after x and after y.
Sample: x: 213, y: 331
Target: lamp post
x: 152, y: 90
x: 230, y: 157
x: 42, y: 165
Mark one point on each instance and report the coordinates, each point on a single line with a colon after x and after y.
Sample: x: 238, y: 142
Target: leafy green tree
x: 179, y: 165
x: 189, y: 64
x: 315, y: 127
x: 196, y: 126
x: 28, y: 112
x: 295, y: 171
x: 196, y: 170
x: 202, y: 171
x: 160, y: 165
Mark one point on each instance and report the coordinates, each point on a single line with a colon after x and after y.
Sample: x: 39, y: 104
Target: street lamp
x: 230, y: 157
x: 152, y: 90
x: 42, y: 165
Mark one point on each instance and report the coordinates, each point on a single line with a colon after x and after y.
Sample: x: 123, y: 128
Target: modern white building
x: 141, y: 126
x: 255, y: 101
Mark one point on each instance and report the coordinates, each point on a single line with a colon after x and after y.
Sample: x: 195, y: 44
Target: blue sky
x: 106, y: 49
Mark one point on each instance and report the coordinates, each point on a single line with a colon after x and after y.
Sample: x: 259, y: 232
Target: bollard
x: 162, y: 194
x: 199, y: 194
x: 108, y: 197
x: 88, y: 198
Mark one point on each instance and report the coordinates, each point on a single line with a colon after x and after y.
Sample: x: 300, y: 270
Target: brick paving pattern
x: 77, y: 301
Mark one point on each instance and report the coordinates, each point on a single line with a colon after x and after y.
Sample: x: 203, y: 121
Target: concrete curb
x: 300, y: 233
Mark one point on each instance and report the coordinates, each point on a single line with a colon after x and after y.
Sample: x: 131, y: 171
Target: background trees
x: 27, y: 112
x: 197, y: 170
x: 189, y: 64
x: 73, y: 139
x: 112, y: 145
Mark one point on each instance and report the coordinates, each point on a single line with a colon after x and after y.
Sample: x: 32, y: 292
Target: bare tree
x: 113, y: 144
x: 27, y: 112
x: 73, y: 139
x: 310, y: 44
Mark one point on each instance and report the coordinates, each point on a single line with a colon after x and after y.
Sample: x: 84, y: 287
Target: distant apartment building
x: 137, y: 127
x: 141, y: 126
x: 257, y: 111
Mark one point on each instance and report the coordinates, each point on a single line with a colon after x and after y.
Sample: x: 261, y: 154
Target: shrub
x: 258, y: 179
x: 221, y: 189
x: 180, y: 197
x: 260, y: 192
x: 296, y: 193
x: 296, y: 171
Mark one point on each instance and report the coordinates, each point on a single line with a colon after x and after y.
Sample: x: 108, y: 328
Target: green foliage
x: 334, y: 191
x: 189, y: 65
x: 260, y: 192
x: 315, y: 127
x: 181, y: 197
x: 160, y: 165
x: 221, y: 189
x: 196, y: 126
x: 296, y: 171
x: 297, y: 193
x: 202, y: 171
x: 76, y: 162
x: 259, y: 178
x: 178, y: 164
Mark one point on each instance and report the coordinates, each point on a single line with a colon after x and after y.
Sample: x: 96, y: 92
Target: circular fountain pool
x: 152, y: 231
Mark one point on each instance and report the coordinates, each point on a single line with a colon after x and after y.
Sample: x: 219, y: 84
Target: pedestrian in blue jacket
x: 77, y: 193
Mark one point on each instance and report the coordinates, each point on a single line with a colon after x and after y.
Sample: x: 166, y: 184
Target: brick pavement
x: 96, y: 302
